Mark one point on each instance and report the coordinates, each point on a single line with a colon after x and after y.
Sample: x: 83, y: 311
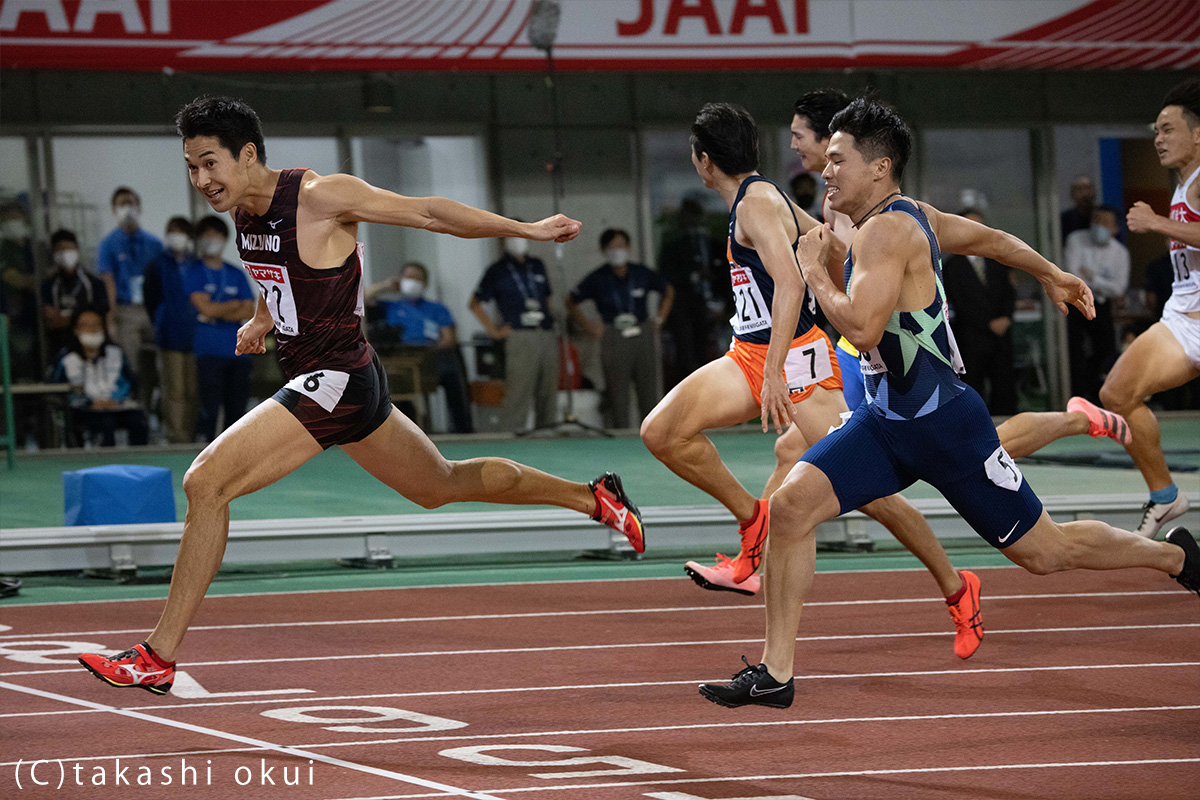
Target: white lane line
x: 813, y: 775
x: 589, y: 686
x: 759, y: 724
x: 469, y: 585
x: 655, y: 729
x: 635, y: 645
x: 445, y: 789
x: 592, y: 612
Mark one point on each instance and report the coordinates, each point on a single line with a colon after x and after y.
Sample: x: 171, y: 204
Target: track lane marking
x: 444, y: 789
x: 812, y: 775
x: 586, y: 686
x: 467, y: 586
x: 605, y: 731
x: 758, y: 724
x: 634, y: 645
x: 593, y: 612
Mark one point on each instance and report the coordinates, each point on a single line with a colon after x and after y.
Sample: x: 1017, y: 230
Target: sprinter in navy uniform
x: 297, y: 234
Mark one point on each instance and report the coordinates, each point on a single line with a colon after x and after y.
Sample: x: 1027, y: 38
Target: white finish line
x: 444, y: 789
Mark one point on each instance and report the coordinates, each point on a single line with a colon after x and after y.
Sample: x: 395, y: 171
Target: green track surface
x: 331, y: 485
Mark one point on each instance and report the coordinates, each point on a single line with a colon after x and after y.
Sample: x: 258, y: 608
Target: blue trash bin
x: 118, y: 494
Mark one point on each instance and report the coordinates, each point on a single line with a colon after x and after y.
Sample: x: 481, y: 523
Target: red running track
x: 1087, y: 685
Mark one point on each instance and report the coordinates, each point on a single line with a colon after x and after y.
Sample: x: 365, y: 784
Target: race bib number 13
x: 277, y: 291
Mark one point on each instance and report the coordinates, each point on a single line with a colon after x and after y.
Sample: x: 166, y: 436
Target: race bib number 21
x: 277, y: 291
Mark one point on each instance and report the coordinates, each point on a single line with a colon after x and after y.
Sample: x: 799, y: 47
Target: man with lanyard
x: 121, y: 261
x: 1167, y: 354
x: 519, y: 286
x: 781, y: 366
x: 296, y: 233
x: 920, y: 422
x: 628, y: 336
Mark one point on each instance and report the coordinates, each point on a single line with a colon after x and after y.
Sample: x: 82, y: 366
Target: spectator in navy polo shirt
x: 629, y: 335
x: 425, y: 323
x: 224, y: 300
x: 67, y: 291
x: 174, y: 317
x: 520, y: 289
x: 121, y: 262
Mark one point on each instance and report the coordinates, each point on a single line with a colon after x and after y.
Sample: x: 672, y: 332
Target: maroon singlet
x: 317, y: 312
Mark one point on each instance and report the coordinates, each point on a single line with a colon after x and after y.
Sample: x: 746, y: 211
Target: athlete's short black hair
x: 729, y: 135
x: 607, y: 237
x: 211, y: 223
x: 819, y: 107
x: 230, y: 120
x: 878, y: 132
x: 1187, y: 96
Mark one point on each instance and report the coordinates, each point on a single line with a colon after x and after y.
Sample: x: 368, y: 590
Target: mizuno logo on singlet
x: 260, y: 241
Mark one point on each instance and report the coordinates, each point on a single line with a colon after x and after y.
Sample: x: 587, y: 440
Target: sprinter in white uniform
x: 1168, y: 353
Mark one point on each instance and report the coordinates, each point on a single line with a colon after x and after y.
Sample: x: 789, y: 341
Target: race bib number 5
x: 277, y: 292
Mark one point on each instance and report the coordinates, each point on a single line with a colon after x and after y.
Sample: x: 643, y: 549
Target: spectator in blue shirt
x: 121, y: 262
x: 520, y: 289
x: 425, y: 323
x: 174, y: 317
x: 224, y: 300
x: 629, y: 334
x: 102, y: 382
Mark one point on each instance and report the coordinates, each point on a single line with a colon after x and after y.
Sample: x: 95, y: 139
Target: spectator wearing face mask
x: 121, y: 261
x: 18, y: 290
x: 518, y: 285
x: 1095, y: 255
x: 224, y: 300
x: 174, y: 318
x: 69, y: 290
x: 426, y: 323
x: 102, y: 382
x: 629, y: 334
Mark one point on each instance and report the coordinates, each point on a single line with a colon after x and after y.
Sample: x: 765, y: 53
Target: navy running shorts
x: 339, y: 407
x: 955, y: 449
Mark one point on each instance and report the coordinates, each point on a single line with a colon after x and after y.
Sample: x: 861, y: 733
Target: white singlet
x: 1185, y: 260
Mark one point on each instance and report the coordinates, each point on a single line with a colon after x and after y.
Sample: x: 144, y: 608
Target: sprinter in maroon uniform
x: 297, y: 234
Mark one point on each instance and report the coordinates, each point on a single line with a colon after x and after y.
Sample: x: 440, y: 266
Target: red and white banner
x: 490, y: 35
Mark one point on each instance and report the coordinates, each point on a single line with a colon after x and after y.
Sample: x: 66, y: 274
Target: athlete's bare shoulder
x: 763, y: 206
x: 331, y: 195
x: 891, y: 233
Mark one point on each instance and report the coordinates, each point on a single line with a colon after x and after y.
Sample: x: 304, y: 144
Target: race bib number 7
x: 277, y: 292
x: 807, y: 363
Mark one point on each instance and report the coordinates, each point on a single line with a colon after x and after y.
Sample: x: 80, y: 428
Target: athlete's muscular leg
x: 805, y: 500
x: 259, y: 449
x: 911, y: 529
x: 788, y: 449
x: 400, y: 455
x: 714, y: 396
x: 1029, y: 432
x: 1089, y: 544
x: 1154, y: 363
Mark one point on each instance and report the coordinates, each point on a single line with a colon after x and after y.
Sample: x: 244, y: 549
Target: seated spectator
x: 629, y: 337
x: 174, y: 318
x: 425, y: 323
x: 102, y: 382
x: 222, y: 295
x: 68, y: 291
x: 18, y: 291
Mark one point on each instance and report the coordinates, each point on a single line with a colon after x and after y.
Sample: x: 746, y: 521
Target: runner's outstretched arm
x: 957, y: 234
x: 349, y: 199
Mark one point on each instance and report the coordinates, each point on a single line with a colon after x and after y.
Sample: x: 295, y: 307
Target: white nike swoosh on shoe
x: 1004, y: 538
x: 756, y: 692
